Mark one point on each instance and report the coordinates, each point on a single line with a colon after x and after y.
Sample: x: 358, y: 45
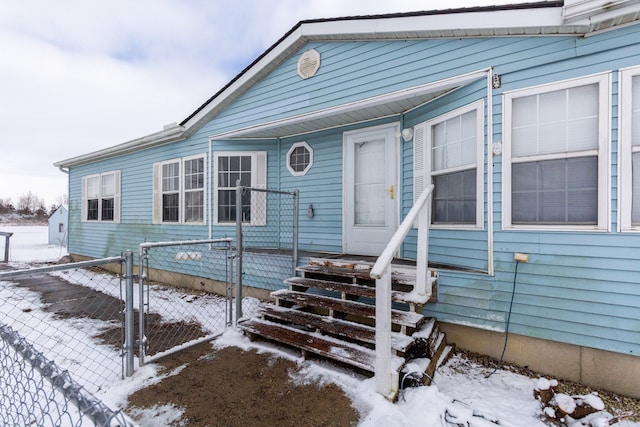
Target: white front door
x: 370, y: 188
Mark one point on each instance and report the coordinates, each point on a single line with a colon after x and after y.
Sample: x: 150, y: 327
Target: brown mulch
x: 231, y: 387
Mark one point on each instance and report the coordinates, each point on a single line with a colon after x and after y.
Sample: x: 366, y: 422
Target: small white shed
x: 58, y: 226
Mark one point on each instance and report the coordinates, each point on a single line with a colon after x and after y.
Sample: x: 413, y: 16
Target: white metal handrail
x: 386, y: 376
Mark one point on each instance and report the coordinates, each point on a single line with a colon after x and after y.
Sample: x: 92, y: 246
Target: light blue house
x: 525, y: 118
x: 58, y: 223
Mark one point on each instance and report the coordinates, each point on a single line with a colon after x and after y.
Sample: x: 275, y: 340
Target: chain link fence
x: 73, y: 314
x: 185, y: 289
x: 267, y: 247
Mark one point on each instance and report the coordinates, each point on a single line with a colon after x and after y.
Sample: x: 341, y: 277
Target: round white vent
x: 308, y: 64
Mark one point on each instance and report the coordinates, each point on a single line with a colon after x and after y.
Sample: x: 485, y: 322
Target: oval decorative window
x: 299, y: 158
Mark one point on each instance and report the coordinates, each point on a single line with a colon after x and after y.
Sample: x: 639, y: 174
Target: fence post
x: 296, y: 220
x: 238, y: 251
x: 7, y: 236
x: 128, y: 313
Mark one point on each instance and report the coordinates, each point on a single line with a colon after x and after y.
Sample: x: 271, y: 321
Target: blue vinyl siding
x: 578, y: 287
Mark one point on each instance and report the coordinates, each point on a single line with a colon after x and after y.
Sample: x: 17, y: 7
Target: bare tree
x: 62, y: 199
x: 29, y: 203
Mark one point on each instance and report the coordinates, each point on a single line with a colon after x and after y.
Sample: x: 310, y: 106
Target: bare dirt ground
x: 231, y: 387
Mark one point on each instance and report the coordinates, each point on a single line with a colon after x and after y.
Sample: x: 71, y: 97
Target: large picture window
x: 629, y: 136
x: 250, y: 169
x: 101, y: 197
x: 452, y: 147
x: 179, y: 191
x: 555, y: 159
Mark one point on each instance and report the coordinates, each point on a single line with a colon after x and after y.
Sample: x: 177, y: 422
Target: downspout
x: 209, y: 203
x: 401, y: 180
x: 490, y: 237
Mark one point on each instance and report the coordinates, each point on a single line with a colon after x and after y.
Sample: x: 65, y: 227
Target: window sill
x: 559, y: 228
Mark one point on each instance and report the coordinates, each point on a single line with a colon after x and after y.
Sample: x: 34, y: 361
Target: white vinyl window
x: 555, y: 157
x: 179, y: 190
x: 629, y: 136
x: 450, y: 149
x: 101, y: 197
x: 251, y: 169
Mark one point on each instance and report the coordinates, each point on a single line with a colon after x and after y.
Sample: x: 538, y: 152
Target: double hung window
x: 101, y: 197
x: 179, y: 191
x: 555, y: 159
x: 249, y: 168
x: 629, y: 137
x: 450, y: 148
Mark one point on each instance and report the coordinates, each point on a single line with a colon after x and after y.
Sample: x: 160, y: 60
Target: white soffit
x: 389, y: 104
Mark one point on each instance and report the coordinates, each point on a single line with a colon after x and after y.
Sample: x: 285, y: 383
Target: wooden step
x: 398, y: 317
x: 398, y: 277
x: 301, y: 284
x: 329, y: 347
x: 437, y: 350
x: 337, y: 327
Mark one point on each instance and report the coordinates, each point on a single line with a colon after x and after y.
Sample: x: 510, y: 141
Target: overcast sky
x: 78, y: 76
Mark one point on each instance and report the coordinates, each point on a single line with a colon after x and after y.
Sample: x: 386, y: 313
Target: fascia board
x: 588, y: 11
x: 166, y: 136
x: 428, y: 26
x: 271, y: 60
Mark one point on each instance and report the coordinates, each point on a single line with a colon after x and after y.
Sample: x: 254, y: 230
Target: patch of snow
x: 460, y: 388
x: 594, y: 401
x: 543, y: 384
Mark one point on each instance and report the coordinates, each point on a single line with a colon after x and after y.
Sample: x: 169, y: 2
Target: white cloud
x: 77, y: 76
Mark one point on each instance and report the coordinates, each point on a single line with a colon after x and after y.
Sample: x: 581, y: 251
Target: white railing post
x: 422, y: 268
x: 386, y: 378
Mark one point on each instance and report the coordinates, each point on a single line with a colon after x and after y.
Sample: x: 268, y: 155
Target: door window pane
x: 369, y: 182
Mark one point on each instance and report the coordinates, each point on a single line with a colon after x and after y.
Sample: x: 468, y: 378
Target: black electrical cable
x: 506, y: 337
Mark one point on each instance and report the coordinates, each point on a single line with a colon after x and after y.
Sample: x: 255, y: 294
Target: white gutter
x: 167, y: 135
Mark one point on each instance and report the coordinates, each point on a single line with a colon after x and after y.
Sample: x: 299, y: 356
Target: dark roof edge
x: 533, y: 5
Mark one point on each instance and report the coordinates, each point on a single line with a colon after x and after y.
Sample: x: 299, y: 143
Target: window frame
x: 100, y: 197
x: 626, y: 148
x: 258, y: 180
x: 423, y: 134
x: 291, y: 150
x: 159, y: 192
x: 603, y: 152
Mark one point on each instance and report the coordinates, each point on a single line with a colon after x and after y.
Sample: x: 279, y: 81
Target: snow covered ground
x: 464, y: 396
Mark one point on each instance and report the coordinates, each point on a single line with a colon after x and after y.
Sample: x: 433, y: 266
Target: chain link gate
x: 185, y: 295
x: 267, y: 244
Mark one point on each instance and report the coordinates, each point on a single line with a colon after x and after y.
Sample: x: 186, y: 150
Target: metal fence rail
x: 185, y: 294
x: 72, y: 313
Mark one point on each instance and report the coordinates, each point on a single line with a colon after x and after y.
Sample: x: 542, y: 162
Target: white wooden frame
x: 603, y: 152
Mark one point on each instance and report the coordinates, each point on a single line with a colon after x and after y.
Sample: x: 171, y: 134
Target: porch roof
x: 377, y: 107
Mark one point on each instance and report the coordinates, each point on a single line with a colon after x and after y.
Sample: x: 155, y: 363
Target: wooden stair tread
x: 356, y: 290
x: 355, y: 331
x: 332, y: 348
x: 398, y: 317
x: 348, y: 288
x: 397, y: 277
